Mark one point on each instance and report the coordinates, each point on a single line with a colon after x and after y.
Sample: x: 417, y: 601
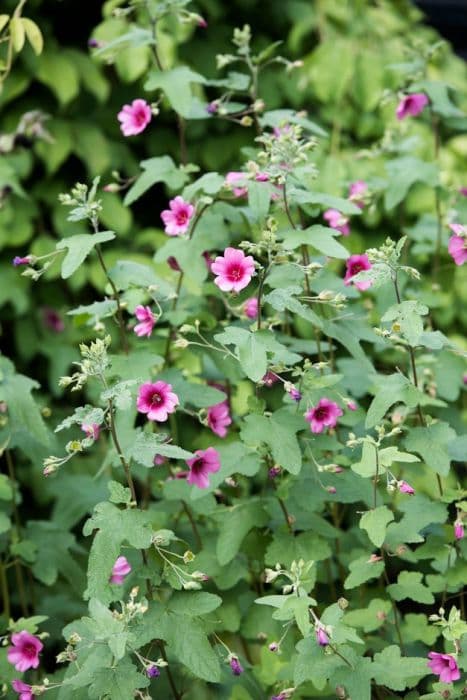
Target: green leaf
x: 440, y: 100
x: 409, y: 585
x: 188, y: 641
x: 53, y: 554
x: 320, y: 237
x: 159, y: 169
x: 408, y: 315
x: 419, y: 512
x: 278, y: 432
x: 389, y: 668
x: 176, y: 85
x: 361, y: 570
x: 118, y: 682
x: 371, y: 617
x: 284, y: 548
x: 313, y: 664
x: 79, y: 247
x: 237, y: 521
x: 34, y: 35
x: 194, y: 604
x: 6, y: 490
x: 324, y: 200
x: 391, y: 389
x: 403, y: 173
x: 59, y: 74
x: 431, y: 443
x: 235, y: 458
x: 259, y: 198
x: 147, y: 445
x: 283, y: 298
x: 375, y: 523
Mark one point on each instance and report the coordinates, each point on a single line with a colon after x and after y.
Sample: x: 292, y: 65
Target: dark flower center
x: 235, y: 273
x: 197, y: 465
x: 356, y: 268
x: 182, y: 217
x: 156, y: 399
x: 321, y: 413
x: 29, y: 650
x: 140, y: 117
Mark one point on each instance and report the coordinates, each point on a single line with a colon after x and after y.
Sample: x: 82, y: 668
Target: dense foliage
x: 233, y: 369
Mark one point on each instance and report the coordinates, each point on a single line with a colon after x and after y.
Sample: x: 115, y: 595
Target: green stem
x: 375, y: 484
x: 5, y: 592
x: 193, y: 524
x: 16, y: 518
x: 116, y: 297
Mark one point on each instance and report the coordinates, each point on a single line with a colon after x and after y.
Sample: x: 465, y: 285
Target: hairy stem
x: 115, y: 296
x: 193, y: 524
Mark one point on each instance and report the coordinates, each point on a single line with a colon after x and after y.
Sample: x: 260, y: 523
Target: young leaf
x: 375, y: 523
x: 78, y: 248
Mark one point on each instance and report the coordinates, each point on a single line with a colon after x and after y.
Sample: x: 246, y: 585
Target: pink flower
x: 234, y: 270
x: 321, y: 637
x: 457, y: 245
x: 219, y: 418
x: 262, y: 177
x: 458, y: 530
x: 22, y: 261
x: 404, y: 487
x: 295, y: 394
x: 411, y: 105
x: 25, y: 651
x: 233, y: 177
x: 92, y: 430
x: 157, y: 400
x: 357, y: 192
x: 323, y: 415
x: 134, y: 118
x: 120, y: 570
x: 158, y: 460
x: 148, y: 321
x: 205, y: 462
x: 250, y: 307
x: 24, y: 690
x: 337, y: 221
x: 269, y: 379
x: 177, y: 218
x: 52, y: 320
x: 351, y: 405
x: 463, y: 191
x: 444, y: 666
x: 355, y: 264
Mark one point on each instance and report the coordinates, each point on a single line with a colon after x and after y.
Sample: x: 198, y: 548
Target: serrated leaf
x: 147, y: 445
x: 78, y: 248
x: 405, y: 172
x: 320, y: 237
x: 176, y: 85
x: 389, y: 668
x: 362, y: 570
x: 158, y: 169
x: 235, y: 525
x: 409, y: 585
x: 431, y: 443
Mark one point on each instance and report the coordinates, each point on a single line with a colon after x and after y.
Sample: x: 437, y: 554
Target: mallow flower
x: 120, y: 570
x: 323, y: 415
x: 250, y: 307
x: 233, y: 270
x: 147, y: 320
x: 337, y: 221
x: 177, y: 218
x: 25, y: 650
x: 411, y: 105
x: 457, y: 246
x: 157, y: 400
x: 357, y: 192
x: 355, y: 264
x: 23, y: 689
x: 218, y: 418
x: 445, y: 666
x: 134, y: 118
x: 204, y: 462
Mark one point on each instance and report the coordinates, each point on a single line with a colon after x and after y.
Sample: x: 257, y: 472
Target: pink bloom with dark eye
x: 157, y: 400
x: 24, y: 653
x: 219, y: 418
x: 92, y: 430
x: 337, y: 221
x: 458, y: 530
x: 411, y: 105
x: 355, y: 264
x: 148, y: 321
x: 457, y: 245
x: 357, y: 192
x: 234, y: 270
x: 444, y: 666
x: 52, y: 320
x: 251, y: 307
x: 23, y: 689
x: 177, y: 218
x: 323, y: 415
x: 204, y: 463
x: 404, y: 487
x: 321, y: 637
x: 134, y: 118
x: 233, y: 177
x: 21, y: 261
x: 120, y: 570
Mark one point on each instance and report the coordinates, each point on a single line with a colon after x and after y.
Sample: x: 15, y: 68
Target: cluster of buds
x: 133, y: 608
x: 296, y: 575
x: 283, y: 150
x: 453, y: 626
x: 84, y: 202
x: 326, y: 296
x: 94, y: 364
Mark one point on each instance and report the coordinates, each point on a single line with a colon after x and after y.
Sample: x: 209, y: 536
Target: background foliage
x: 353, y: 54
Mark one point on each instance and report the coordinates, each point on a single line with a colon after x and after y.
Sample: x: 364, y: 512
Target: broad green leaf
x: 284, y: 298
x: 278, y: 432
x: 362, y: 570
x: 285, y: 548
x: 409, y: 585
x: 419, y: 512
x: 158, y: 169
x: 176, y: 85
x: 236, y: 522
x: 147, y: 445
x: 259, y: 198
x: 391, y: 389
x: 194, y: 604
x: 408, y: 315
x: 59, y: 74
x: 324, y: 200
x: 389, y: 668
x: 78, y: 248
x: 53, y: 557
x: 6, y: 490
x: 371, y: 617
x: 440, y: 99
x: 117, y: 682
x: 403, y: 173
x: 375, y: 523
x: 431, y: 443
x: 317, y: 236
x: 188, y: 641
x: 33, y: 34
